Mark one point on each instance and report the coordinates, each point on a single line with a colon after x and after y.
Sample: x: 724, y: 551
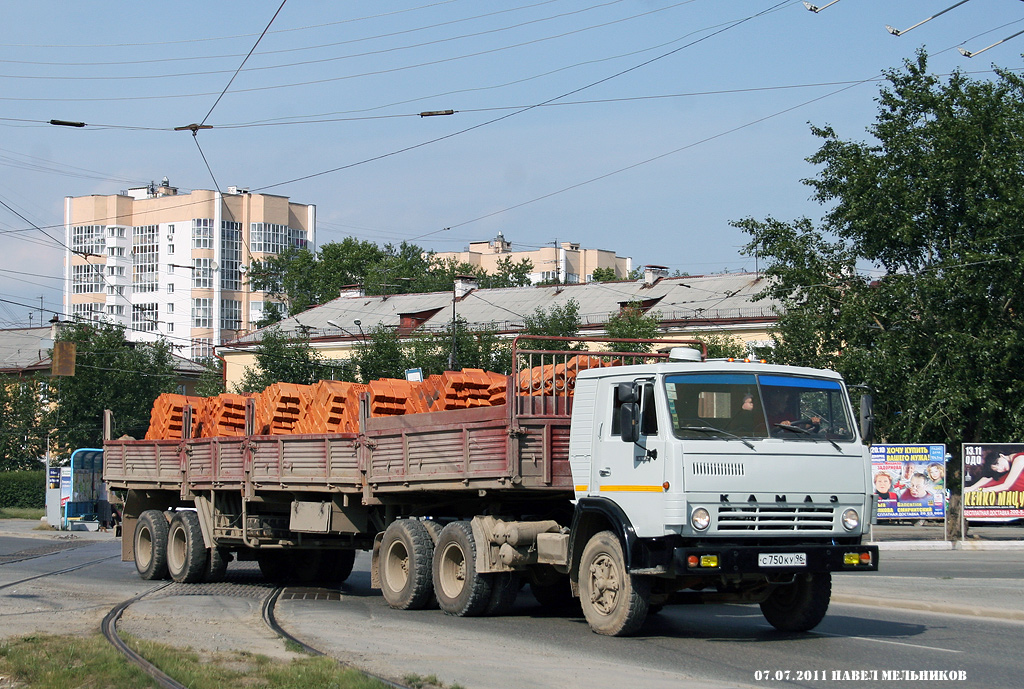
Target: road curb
x: 949, y: 545
x: 918, y: 605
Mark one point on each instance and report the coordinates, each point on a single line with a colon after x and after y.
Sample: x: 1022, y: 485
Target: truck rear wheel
x: 459, y: 588
x: 151, y: 545
x: 216, y: 565
x: 613, y: 600
x: 186, y: 552
x: 799, y: 606
x: 406, y: 552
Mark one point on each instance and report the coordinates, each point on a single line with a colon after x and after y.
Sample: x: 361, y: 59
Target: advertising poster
x: 910, y: 481
x: 993, y: 481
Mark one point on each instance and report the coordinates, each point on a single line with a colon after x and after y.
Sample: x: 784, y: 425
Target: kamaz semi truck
x: 627, y: 481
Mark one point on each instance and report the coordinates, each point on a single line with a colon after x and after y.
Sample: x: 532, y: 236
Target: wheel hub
x: 604, y: 584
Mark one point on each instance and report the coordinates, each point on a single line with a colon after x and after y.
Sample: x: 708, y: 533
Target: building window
x: 115, y: 310
x: 145, y: 252
x: 87, y: 279
x: 170, y: 249
x: 170, y: 327
x: 144, y: 317
x: 297, y: 238
x: 88, y: 239
x: 202, y: 313
x: 170, y: 308
x: 202, y: 348
x: 267, y: 238
x: 230, y: 314
x: 202, y: 273
x: 231, y: 255
x: 202, y: 233
x: 89, y: 312
x: 170, y: 288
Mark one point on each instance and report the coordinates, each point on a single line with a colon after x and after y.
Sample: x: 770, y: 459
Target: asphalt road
x: 723, y: 645
x: 700, y: 646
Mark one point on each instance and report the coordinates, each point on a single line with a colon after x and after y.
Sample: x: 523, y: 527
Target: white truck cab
x: 735, y: 480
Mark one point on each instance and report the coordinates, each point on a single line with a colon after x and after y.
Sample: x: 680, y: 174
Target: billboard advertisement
x: 993, y: 480
x: 910, y: 481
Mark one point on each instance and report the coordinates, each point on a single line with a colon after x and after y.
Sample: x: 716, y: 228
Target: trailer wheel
x: 460, y: 589
x: 504, y: 591
x: 216, y: 565
x: 614, y: 601
x: 336, y: 565
x: 151, y: 545
x: 187, y: 555
x: 799, y: 606
x: 406, y: 551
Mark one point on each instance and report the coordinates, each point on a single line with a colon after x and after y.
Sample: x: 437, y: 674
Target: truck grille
x: 775, y: 518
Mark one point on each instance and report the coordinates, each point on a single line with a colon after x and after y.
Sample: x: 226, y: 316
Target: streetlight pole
x: 452, y: 361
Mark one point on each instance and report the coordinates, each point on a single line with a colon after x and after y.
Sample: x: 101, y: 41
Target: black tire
x: 614, y: 601
x: 406, y: 553
x: 216, y: 565
x: 150, y: 541
x: 504, y: 591
x: 335, y: 566
x: 274, y: 565
x: 187, y: 555
x: 460, y: 590
x: 800, y: 606
x: 552, y: 590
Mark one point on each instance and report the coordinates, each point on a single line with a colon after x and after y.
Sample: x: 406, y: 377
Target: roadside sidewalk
x: 29, y: 528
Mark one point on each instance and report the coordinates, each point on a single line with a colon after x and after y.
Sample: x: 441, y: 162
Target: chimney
x: 464, y: 284
x: 654, y: 273
x: 352, y: 291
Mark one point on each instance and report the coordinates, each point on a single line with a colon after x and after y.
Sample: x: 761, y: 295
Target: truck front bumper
x: 770, y: 559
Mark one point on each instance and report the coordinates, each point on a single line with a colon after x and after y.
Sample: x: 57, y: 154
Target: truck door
x: 632, y: 474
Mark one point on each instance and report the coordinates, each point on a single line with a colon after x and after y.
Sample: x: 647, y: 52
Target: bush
x: 23, y: 489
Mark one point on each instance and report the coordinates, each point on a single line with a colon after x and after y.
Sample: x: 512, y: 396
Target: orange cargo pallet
x: 333, y: 408
x: 223, y: 415
x: 166, y: 419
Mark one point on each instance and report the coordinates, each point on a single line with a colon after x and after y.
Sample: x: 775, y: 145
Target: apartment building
x: 172, y: 265
x: 565, y: 262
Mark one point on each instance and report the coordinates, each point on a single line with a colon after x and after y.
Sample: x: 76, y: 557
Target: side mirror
x: 629, y: 422
x: 867, y: 418
x: 627, y: 393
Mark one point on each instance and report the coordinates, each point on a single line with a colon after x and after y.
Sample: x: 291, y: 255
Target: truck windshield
x: 747, y: 405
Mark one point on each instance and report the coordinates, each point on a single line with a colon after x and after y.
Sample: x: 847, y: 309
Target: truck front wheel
x: 799, y: 606
x: 151, y: 545
x: 406, y: 552
x: 614, y: 601
x: 459, y: 588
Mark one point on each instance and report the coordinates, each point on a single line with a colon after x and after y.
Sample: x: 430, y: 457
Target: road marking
x: 885, y: 641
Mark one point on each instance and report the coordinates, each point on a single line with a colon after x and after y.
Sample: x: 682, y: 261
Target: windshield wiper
x: 710, y: 429
x: 798, y: 429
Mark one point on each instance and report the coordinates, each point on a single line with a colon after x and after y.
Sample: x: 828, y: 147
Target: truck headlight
x: 700, y: 518
x: 851, y: 520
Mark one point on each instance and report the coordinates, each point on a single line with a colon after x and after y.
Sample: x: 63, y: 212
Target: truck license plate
x: 782, y: 560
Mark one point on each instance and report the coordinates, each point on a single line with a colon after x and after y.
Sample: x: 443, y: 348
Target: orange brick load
x: 280, y: 407
x: 223, y: 415
x: 167, y: 418
x: 333, y: 408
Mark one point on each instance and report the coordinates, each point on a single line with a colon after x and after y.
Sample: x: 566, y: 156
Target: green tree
x: 722, y: 345
x: 23, y: 435
x: 631, y: 322
x: 284, y: 358
x: 211, y: 380
x: 110, y: 373
x: 474, y: 348
x: 557, y: 321
x: 380, y: 355
x: 604, y: 275
x: 935, y: 201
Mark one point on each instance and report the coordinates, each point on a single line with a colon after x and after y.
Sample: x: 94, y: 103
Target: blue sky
x: 656, y: 122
